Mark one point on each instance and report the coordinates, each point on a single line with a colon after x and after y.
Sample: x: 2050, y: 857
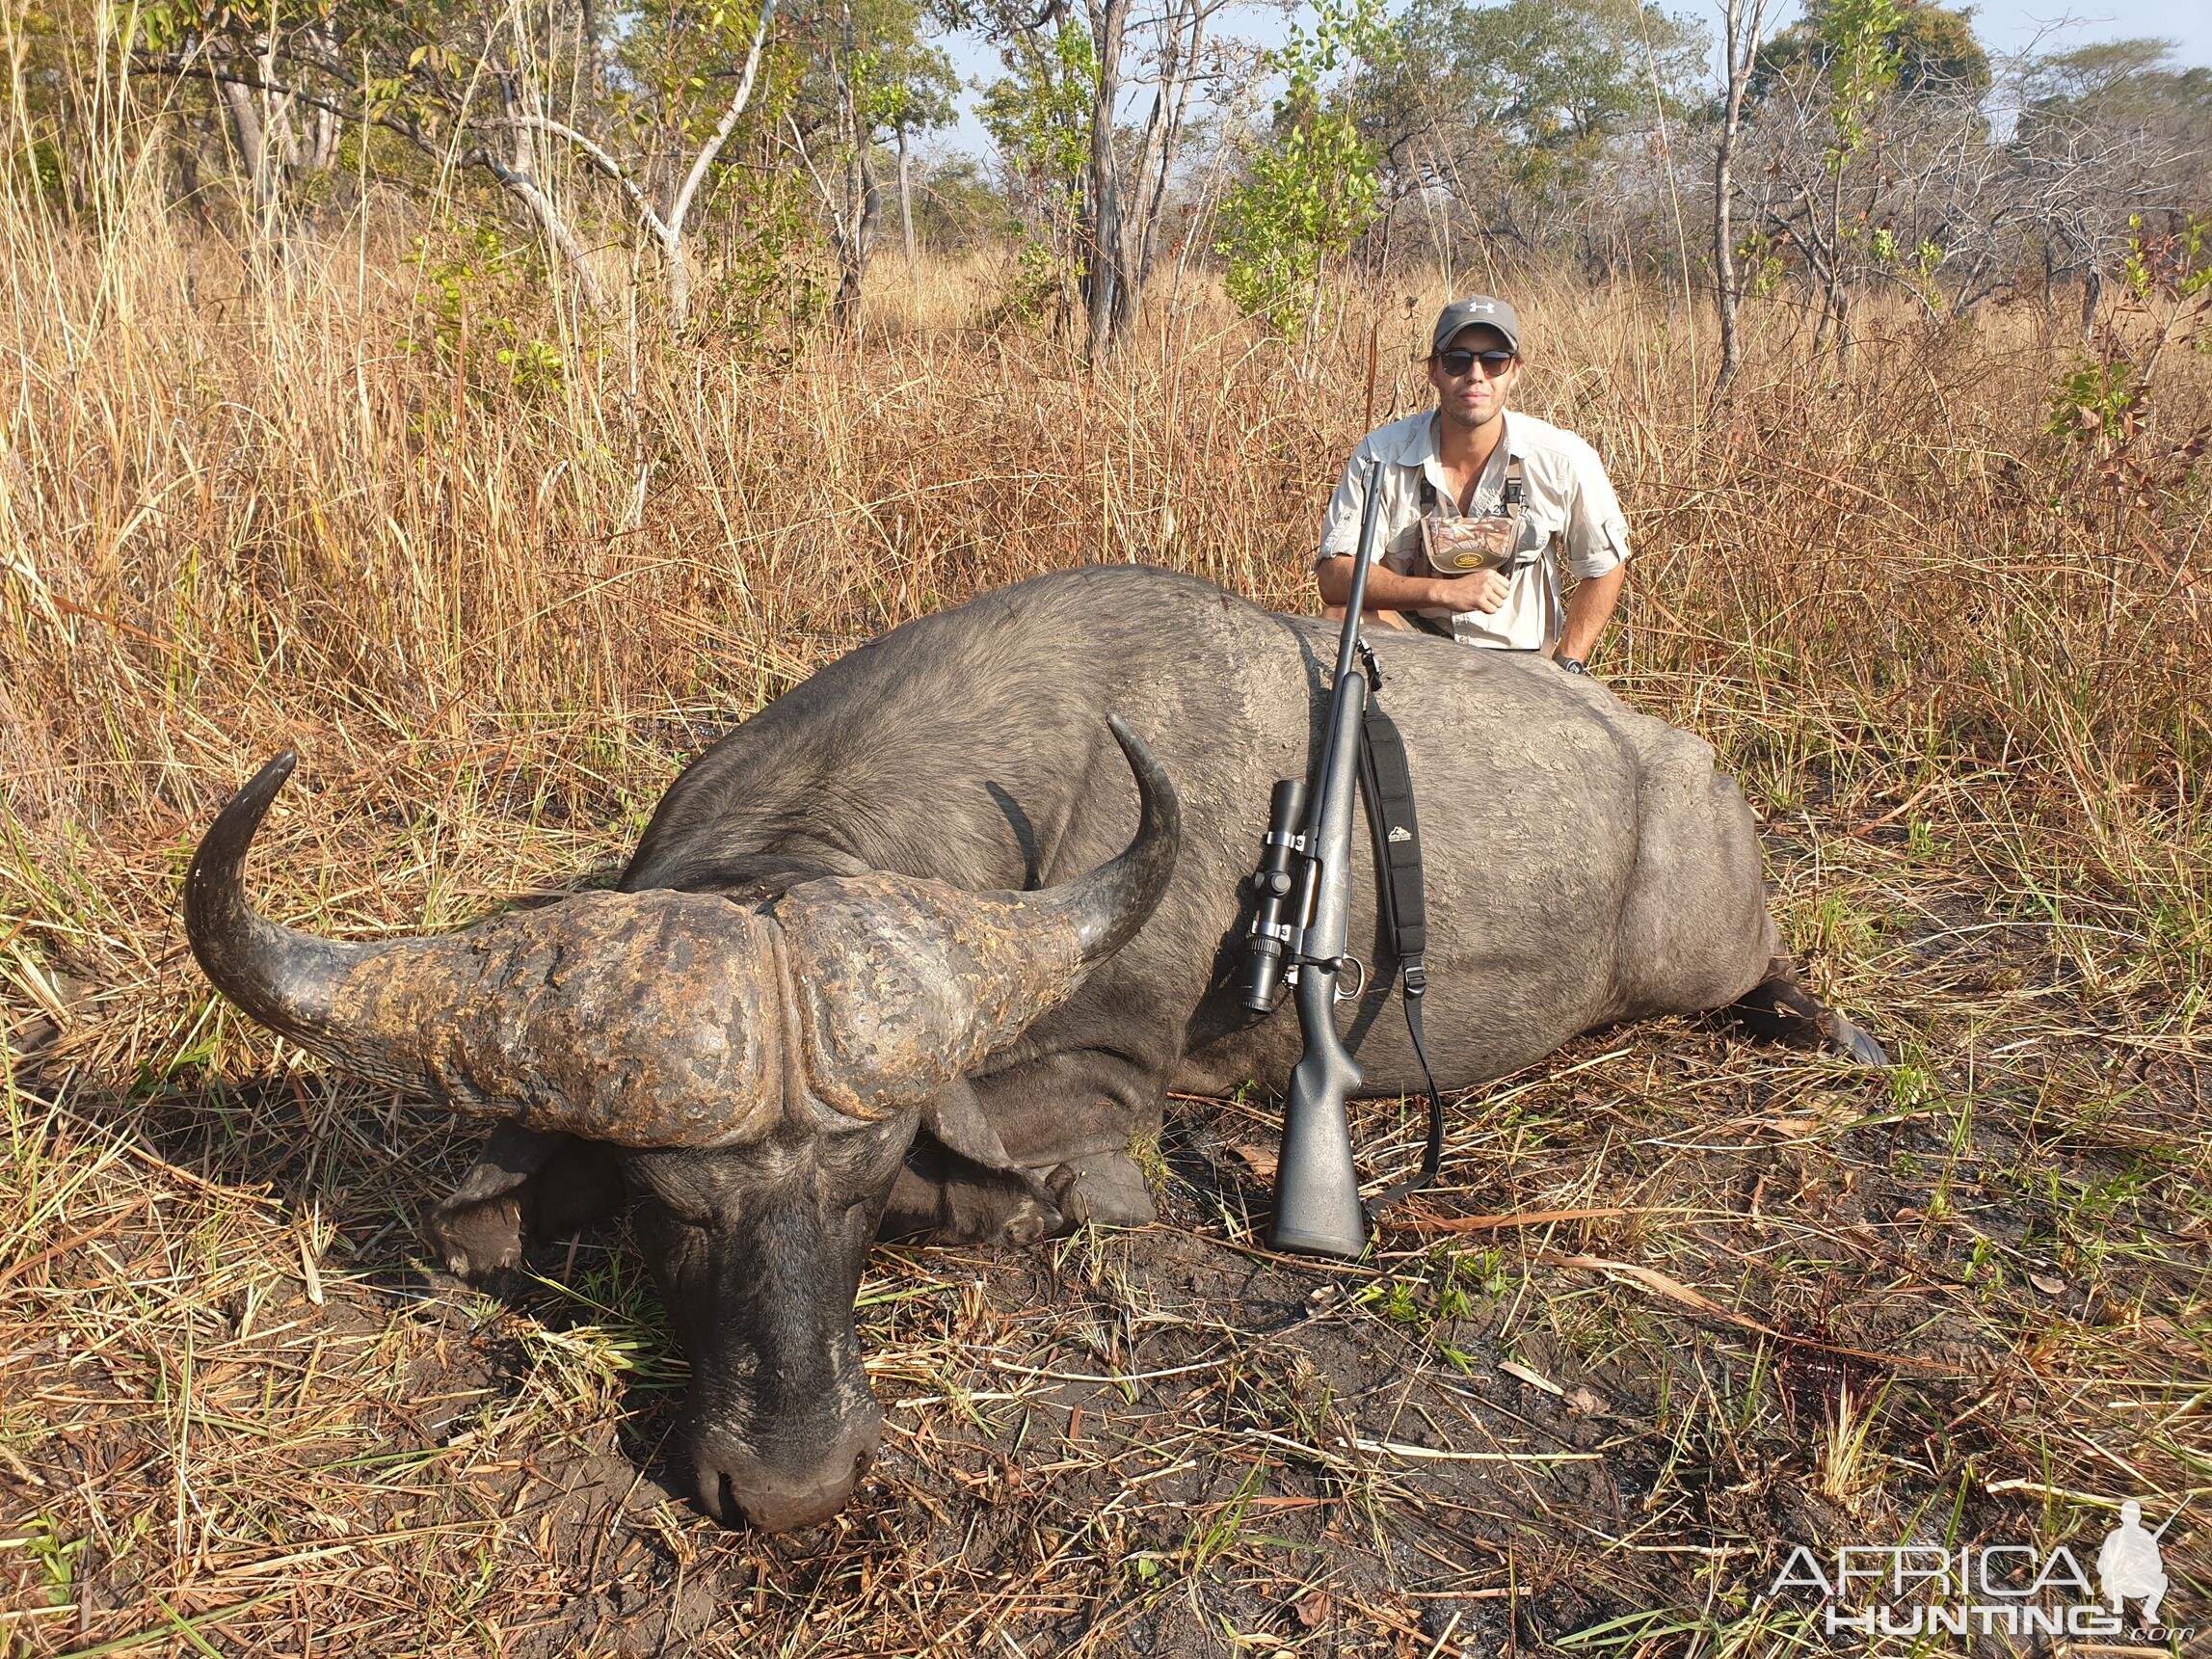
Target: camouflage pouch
x: 1461, y: 547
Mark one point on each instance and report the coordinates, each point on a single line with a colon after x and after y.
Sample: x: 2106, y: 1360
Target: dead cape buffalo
x: 907, y: 954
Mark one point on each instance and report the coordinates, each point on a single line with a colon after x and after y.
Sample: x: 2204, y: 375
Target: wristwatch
x: 1572, y: 664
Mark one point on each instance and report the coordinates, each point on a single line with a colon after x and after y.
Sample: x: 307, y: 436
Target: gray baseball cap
x: 1480, y: 312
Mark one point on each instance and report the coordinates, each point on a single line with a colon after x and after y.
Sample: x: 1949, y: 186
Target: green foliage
x: 1038, y: 116
x: 1929, y: 47
x: 2117, y: 85
x: 1542, y: 85
x: 772, y: 271
x: 47, y: 172
x: 1914, y: 269
x: 1041, y: 278
x: 2091, y: 402
x: 676, y: 63
x: 905, y: 84
x: 470, y: 294
x: 1315, y: 187
x: 2100, y: 402
x: 57, y: 1559
x: 956, y: 205
x: 1433, y: 1292
x: 1864, y: 59
x: 2177, y: 263
x: 1759, y: 260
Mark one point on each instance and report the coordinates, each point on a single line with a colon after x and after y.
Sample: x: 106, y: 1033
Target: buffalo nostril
x: 716, y: 1496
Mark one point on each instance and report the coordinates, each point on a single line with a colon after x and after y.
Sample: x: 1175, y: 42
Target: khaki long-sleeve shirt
x: 1570, y: 514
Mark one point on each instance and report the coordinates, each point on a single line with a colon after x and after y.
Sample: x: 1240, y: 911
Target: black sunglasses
x: 1457, y: 363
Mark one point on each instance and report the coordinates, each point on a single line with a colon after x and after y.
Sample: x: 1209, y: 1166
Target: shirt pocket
x: 1538, y: 526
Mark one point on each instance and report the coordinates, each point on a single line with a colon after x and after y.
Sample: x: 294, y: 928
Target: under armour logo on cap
x: 1481, y: 310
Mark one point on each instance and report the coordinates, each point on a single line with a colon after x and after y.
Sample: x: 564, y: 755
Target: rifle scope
x: 1273, y: 885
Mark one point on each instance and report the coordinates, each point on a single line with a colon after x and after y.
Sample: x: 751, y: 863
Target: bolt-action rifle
x: 1299, y: 936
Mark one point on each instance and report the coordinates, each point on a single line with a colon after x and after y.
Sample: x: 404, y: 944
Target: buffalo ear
x: 955, y: 1117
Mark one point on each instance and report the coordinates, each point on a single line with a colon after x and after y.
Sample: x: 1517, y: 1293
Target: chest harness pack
x: 1511, y: 502
x: 1457, y: 544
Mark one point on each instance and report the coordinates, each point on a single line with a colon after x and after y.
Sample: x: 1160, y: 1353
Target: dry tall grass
x: 257, y: 500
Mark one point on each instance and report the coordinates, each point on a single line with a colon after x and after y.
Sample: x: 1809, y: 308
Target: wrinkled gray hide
x: 1585, y: 864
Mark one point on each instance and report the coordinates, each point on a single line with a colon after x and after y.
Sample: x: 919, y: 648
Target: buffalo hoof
x: 1106, y: 1191
x: 1032, y: 1220
x: 475, y: 1237
x: 1854, y: 1043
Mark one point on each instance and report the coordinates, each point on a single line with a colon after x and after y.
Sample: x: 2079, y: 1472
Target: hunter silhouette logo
x: 2128, y: 1564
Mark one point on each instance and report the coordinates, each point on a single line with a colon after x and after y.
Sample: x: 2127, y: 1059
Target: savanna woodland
x: 495, y: 403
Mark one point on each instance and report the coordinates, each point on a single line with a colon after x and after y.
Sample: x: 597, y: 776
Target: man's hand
x: 1481, y: 590
x: 1390, y: 590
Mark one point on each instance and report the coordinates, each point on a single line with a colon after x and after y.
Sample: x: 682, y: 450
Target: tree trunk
x: 1102, y: 249
x: 1170, y: 144
x: 905, y: 201
x: 252, y: 138
x: 679, y: 209
x: 856, y: 212
x: 1741, y: 40
x: 856, y: 235
x: 1724, y: 293
x: 1314, y: 315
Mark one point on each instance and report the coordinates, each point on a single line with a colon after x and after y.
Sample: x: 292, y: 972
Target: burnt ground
x: 1679, y: 1304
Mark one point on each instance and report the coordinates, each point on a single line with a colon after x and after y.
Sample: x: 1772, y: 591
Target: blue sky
x: 2009, y: 26
x: 2004, y: 26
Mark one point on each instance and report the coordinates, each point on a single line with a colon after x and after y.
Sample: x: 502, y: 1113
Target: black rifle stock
x: 1317, y: 1209
x: 1317, y: 1190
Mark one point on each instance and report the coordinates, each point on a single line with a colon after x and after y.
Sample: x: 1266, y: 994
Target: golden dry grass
x: 258, y: 502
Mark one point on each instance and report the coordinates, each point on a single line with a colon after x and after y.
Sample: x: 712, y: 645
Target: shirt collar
x: 1418, y: 446
x: 1417, y: 449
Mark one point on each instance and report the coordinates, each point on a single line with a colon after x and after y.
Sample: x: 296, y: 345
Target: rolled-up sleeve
x: 1596, y: 533
x: 1339, y: 524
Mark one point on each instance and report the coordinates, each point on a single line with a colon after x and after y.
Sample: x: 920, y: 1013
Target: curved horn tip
x: 257, y: 792
x: 1119, y: 897
x: 244, y: 812
x: 1162, y: 806
x: 211, y: 882
x: 263, y: 784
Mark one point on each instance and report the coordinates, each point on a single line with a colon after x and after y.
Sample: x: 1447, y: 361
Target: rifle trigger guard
x: 1354, y: 995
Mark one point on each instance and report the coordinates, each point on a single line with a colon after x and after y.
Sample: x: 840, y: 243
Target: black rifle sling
x: 1386, y: 783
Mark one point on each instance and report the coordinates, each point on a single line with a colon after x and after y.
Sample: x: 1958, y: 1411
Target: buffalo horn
x: 644, y: 1018
x: 904, y: 984
x: 282, y: 978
